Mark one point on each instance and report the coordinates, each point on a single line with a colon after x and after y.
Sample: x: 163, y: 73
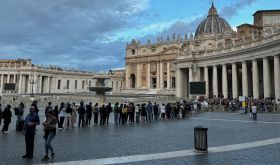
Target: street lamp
x: 32, y: 82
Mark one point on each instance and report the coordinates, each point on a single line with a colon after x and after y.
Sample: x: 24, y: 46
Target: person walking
x: 30, y: 122
x: 116, y: 113
x: 7, y: 116
x: 81, y: 112
x: 50, y: 132
x: 95, y: 113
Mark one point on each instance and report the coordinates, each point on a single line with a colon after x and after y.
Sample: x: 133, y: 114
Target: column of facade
x: 179, y: 90
x: 20, y: 83
x: 277, y: 76
x: 225, y: 81
x: 266, y: 78
x: 244, y: 79
x: 190, y: 74
x: 48, y: 84
x: 255, y: 73
x: 14, y: 80
x: 2, y: 82
x: 158, y: 75
x: 35, y: 84
x: 215, y: 81
x: 29, y: 84
x: 161, y: 75
x: 138, y: 76
x: 168, y: 75
x: 8, y: 78
x: 198, y: 76
x: 149, y: 76
x: 127, y: 77
x: 234, y: 81
x: 206, y: 79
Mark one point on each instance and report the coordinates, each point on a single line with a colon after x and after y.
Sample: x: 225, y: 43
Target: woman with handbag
x: 50, y: 131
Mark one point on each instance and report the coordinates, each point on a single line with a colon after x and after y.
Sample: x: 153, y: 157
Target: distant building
x: 242, y: 63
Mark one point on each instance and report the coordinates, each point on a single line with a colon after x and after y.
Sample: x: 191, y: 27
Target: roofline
x: 265, y: 11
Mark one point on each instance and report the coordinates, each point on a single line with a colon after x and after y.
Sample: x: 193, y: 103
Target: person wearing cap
x: 30, y: 122
x: 50, y: 132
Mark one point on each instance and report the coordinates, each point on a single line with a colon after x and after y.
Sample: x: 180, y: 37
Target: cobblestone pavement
x: 111, y: 140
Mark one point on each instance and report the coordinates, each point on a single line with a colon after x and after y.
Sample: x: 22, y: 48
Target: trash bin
x: 200, y: 139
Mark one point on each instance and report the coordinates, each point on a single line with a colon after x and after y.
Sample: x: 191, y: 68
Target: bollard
x: 200, y: 139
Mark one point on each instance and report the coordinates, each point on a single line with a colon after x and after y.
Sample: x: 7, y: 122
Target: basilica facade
x: 231, y: 63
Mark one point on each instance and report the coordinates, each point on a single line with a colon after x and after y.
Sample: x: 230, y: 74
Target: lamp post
x: 32, y: 82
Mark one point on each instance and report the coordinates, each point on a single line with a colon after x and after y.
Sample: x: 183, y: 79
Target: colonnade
x: 257, y: 78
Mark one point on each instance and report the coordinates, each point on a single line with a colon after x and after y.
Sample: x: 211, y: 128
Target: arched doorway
x: 132, y: 81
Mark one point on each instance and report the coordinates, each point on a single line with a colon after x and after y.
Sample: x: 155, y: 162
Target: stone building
x: 242, y: 63
x: 33, y: 79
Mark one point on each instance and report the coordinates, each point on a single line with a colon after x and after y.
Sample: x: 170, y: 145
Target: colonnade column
x: 20, y: 84
x: 244, y: 79
x: 179, y: 82
x: 138, y: 76
x: 277, y: 76
x: 266, y: 78
x: 190, y: 74
x: 158, y: 76
x: 206, y: 79
x: 2, y: 82
x: 215, y: 81
x: 14, y: 80
x: 168, y: 75
x: 255, y: 79
x: 234, y: 81
x: 149, y: 76
x: 225, y: 81
x: 8, y: 78
x: 161, y: 84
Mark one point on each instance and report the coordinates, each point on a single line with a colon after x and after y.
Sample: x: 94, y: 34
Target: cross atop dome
x: 212, y: 10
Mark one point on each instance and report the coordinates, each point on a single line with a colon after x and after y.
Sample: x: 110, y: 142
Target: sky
x: 92, y: 35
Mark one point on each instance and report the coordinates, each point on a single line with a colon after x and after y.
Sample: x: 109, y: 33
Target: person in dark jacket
x: 1, y: 114
x: 89, y: 114
x: 7, y: 116
x: 102, y: 115
x: 108, y: 110
x: 96, y: 112
x: 82, y: 112
x: 31, y: 120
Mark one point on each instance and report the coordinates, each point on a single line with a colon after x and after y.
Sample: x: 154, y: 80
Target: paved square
x: 161, y: 142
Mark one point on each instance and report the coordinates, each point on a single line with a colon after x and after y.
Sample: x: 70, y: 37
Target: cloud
x: 229, y: 11
x: 66, y: 32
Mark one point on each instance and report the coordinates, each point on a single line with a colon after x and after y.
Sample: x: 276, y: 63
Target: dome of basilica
x: 213, y: 24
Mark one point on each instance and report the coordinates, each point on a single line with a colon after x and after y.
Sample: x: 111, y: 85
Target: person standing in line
x: 133, y: 112
x: 56, y: 112
x: 149, y: 109
x: 121, y: 114
x: 31, y: 120
x: 1, y: 114
x: 254, y: 111
x: 116, y: 113
x: 89, y: 114
x: 124, y: 116
x: 143, y: 113
x: 81, y: 112
x: 62, y: 114
x: 7, y: 116
x: 162, y: 110
x: 102, y: 115
x: 168, y: 111
x: 155, y: 108
x: 95, y: 113
x: 50, y: 132
x: 68, y: 115
x: 129, y: 112
x: 108, y: 110
x: 73, y: 116
x: 137, y: 111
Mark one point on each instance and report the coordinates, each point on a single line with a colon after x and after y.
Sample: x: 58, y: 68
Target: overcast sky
x: 92, y: 34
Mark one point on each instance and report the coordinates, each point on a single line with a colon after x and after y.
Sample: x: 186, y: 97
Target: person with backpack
x: 116, y: 113
x: 81, y: 112
x: 7, y: 116
x: 68, y: 111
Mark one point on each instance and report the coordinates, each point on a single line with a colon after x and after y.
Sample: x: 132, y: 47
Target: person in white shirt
x: 162, y: 111
x: 254, y: 111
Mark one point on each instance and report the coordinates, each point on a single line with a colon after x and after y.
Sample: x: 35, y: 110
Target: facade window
x: 76, y: 84
x: 67, y: 85
x: 133, y: 51
x: 83, y: 84
x: 58, y: 84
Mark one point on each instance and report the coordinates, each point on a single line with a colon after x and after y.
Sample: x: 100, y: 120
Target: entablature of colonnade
x: 261, y: 49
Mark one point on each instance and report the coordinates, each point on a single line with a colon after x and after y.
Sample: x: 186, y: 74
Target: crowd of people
x: 70, y: 115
